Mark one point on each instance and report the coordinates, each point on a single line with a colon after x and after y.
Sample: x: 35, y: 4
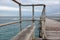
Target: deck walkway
x: 52, y: 29
x: 25, y: 34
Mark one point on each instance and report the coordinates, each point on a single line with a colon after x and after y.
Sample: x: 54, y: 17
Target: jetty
x: 49, y: 29
x: 52, y: 31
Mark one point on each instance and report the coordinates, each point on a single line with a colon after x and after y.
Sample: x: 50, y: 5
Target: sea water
x: 9, y: 31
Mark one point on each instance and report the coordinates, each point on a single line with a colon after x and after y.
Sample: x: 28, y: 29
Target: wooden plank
x: 52, y: 23
x: 52, y: 29
x: 38, y: 38
x: 25, y: 34
x: 53, y: 34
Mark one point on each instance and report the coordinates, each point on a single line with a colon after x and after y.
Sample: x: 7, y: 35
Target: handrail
x: 25, y: 34
x: 33, y: 5
x: 16, y: 2
x: 28, y: 4
x: 9, y: 23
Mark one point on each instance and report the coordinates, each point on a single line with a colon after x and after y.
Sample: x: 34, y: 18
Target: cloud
x: 47, y: 2
x: 52, y: 5
x: 30, y: 1
x: 51, y: 2
x: 57, y: 13
x: 8, y: 8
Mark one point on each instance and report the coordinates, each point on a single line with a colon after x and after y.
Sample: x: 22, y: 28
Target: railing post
x: 20, y: 17
x: 42, y: 20
x: 33, y: 20
x: 19, y: 13
x: 33, y: 13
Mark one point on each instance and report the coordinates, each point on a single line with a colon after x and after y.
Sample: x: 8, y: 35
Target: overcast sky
x: 9, y: 8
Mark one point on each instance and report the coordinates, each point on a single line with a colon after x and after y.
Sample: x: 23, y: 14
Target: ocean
x: 9, y: 31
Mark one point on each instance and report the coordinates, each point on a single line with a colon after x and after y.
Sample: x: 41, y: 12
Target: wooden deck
x: 25, y: 34
x: 52, y: 29
x: 52, y: 32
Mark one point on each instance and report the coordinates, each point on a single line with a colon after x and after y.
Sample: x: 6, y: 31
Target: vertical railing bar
x: 43, y: 22
x: 19, y: 12
x: 33, y: 20
x: 43, y: 19
x: 32, y: 13
x: 20, y: 17
x: 44, y: 11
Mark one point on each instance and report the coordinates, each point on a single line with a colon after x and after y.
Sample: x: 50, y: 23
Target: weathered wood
x: 52, y: 24
x: 53, y: 34
x: 37, y: 39
x: 25, y: 34
x: 52, y: 29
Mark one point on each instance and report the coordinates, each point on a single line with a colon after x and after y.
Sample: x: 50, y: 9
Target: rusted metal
x: 20, y: 17
x: 16, y: 2
x: 33, y: 5
x: 19, y: 12
x: 33, y: 13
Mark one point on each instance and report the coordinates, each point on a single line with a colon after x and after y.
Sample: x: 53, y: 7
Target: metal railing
x: 42, y: 18
x: 9, y: 23
x: 32, y: 5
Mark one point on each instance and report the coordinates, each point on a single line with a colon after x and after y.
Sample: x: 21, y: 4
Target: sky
x: 9, y: 8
